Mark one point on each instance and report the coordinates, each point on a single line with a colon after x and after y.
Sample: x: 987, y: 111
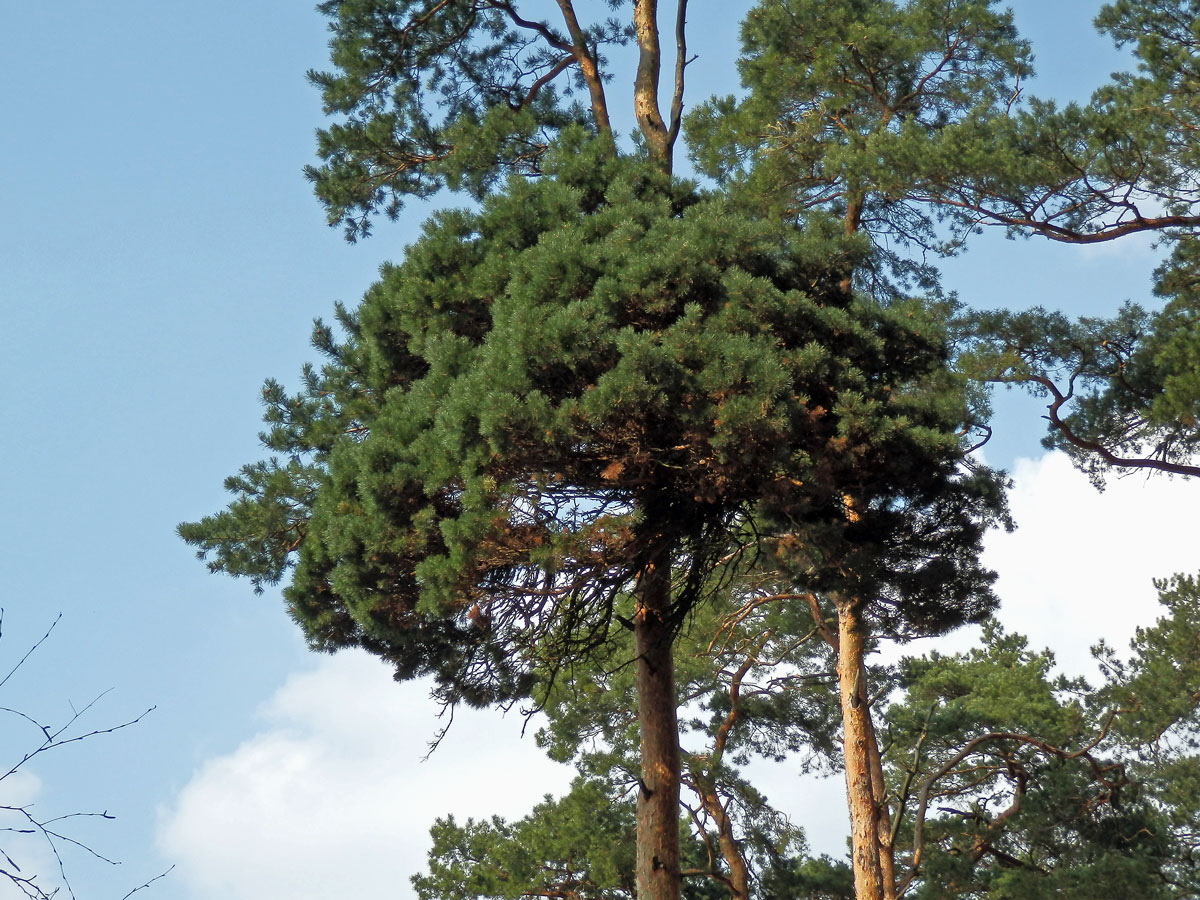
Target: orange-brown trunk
x: 658, y: 869
x: 739, y: 873
x: 860, y: 752
x: 645, y: 85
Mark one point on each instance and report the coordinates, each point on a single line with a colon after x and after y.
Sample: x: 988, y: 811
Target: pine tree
x: 457, y: 94
x: 460, y: 93
x: 1125, y: 162
x: 1123, y: 391
x: 586, y: 390
x: 905, y: 118
x: 844, y: 104
x: 1015, y: 783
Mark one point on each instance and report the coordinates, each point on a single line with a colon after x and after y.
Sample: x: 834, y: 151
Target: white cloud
x: 1080, y: 565
x: 21, y: 788
x: 331, y: 798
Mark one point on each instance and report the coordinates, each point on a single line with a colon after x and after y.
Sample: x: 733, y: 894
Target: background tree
x: 579, y: 847
x: 904, y: 119
x: 1013, y: 783
x: 844, y: 101
x: 1123, y: 391
x: 1124, y: 162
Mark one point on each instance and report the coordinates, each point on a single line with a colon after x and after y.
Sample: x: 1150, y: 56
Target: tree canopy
x: 608, y: 440
x: 845, y: 108
x: 536, y: 408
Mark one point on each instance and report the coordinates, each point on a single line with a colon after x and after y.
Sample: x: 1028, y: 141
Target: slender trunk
x: 588, y: 68
x: 851, y: 225
x: 858, y: 737
x: 645, y: 85
x: 883, y: 818
x: 658, y: 864
x: 704, y: 779
x: 739, y: 872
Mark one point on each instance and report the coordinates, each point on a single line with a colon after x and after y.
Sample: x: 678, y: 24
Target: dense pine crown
x: 599, y: 366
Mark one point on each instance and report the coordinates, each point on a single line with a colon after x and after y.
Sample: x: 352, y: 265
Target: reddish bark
x: 861, y: 754
x: 658, y: 868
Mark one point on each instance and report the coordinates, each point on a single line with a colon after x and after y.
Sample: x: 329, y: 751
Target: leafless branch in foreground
x: 21, y: 819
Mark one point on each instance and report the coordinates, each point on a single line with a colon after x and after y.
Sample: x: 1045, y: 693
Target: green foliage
x: 819, y: 878
x: 1124, y: 162
x: 595, y: 368
x: 901, y: 116
x: 1123, y: 391
x: 1043, y: 787
x: 434, y: 95
x: 1157, y: 690
x: 847, y: 102
x: 1157, y: 107
x: 581, y: 845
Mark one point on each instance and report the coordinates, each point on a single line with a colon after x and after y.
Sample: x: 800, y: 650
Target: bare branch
x: 49, y: 830
x: 30, y: 651
x: 588, y: 67
x: 681, y: 62
x: 1100, y: 450
x: 142, y: 887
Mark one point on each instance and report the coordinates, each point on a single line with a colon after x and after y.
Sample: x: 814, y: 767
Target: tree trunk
x: 739, y: 873
x: 658, y: 864
x: 851, y: 224
x: 858, y: 736
x: 645, y: 86
x: 883, y: 818
x: 706, y: 786
x: 587, y: 68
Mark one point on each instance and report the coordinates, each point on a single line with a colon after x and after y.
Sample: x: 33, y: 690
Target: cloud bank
x: 1080, y: 565
x: 331, y: 798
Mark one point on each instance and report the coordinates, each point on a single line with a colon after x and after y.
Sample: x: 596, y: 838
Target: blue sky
x: 160, y: 255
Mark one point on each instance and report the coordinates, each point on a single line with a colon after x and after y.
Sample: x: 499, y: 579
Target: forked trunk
x: 658, y: 868
x: 864, y: 783
x: 645, y: 85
